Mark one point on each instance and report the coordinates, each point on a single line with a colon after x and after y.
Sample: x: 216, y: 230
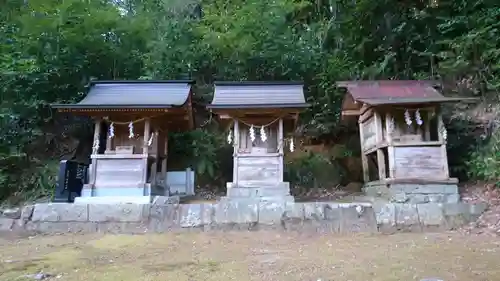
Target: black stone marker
x: 72, y: 176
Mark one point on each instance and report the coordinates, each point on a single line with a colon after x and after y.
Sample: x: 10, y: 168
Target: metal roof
x: 383, y: 101
x: 392, y: 89
x: 394, y: 92
x: 134, y: 94
x: 233, y: 95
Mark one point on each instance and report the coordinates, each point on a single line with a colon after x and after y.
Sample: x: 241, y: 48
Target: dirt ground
x: 252, y: 256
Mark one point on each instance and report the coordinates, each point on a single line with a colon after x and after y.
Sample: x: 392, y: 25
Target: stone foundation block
x: 271, y: 212
x: 244, y: 214
x: 164, y: 218
x: 122, y: 228
x: 358, y: 219
x: 333, y: 219
x: 13, y: 213
x: 191, y: 215
x: 258, y: 191
x: 407, y: 218
x: 314, y: 211
x: 385, y: 213
x: 424, y: 188
x: 293, y: 217
x: 6, y: 224
x: 117, y: 212
x: 27, y: 212
x: 237, y: 211
x: 431, y: 214
x: 61, y: 227
x: 197, y: 215
x: 165, y: 200
x: 55, y: 212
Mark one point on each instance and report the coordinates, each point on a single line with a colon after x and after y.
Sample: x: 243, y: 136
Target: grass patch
x: 254, y: 256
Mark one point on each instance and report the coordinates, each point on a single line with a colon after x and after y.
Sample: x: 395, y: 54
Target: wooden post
x: 154, y: 165
x: 444, y: 155
x: 364, y: 159
x: 145, y: 150
x: 280, y: 149
x: 236, y: 144
x: 164, y: 163
x: 380, y: 139
x: 93, y: 171
x: 427, y: 126
x: 390, y: 146
x: 189, y: 186
x: 147, y: 131
x: 109, y: 141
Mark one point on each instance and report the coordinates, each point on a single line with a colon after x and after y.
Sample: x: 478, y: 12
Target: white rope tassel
x: 418, y: 118
x: 292, y: 146
x: 111, y: 133
x: 407, y: 118
x: 95, y: 147
x: 444, y: 133
x: 263, y: 135
x: 230, y: 136
x: 252, y: 134
x: 392, y: 125
x: 130, y: 130
x: 150, y: 141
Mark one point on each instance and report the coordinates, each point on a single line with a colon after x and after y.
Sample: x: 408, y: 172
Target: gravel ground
x: 251, y: 256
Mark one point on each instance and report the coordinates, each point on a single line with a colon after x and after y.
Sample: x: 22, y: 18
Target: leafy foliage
x: 49, y: 50
x: 314, y: 171
x: 485, y: 162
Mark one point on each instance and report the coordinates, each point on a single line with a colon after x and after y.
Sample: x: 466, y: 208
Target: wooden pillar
x: 95, y: 151
x: 164, y: 161
x: 364, y: 159
x: 380, y: 139
x: 236, y: 144
x: 442, y: 140
x: 390, y: 147
x: 154, y: 165
x: 427, y: 125
x: 145, y: 150
x: 109, y: 141
x: 280, y: 149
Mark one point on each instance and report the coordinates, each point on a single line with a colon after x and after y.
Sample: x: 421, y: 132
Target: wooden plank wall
x: 124, y: 171
x: 406, y: 157
x: 419, y: 162
x: 259, y: 168
x: 369, y: 133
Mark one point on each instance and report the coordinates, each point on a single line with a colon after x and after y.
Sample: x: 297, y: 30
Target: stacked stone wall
x: 324, y: 217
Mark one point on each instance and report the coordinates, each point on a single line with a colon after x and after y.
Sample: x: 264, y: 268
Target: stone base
x: 414, y: 193
x: 257, y: 193
x: 121, y: 190
x: 255, y: 190
x: 128, y: 200
x: 323, y: 217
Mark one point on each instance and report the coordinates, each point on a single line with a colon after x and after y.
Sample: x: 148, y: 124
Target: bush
x: 484, y: 163
x: 314, y: 171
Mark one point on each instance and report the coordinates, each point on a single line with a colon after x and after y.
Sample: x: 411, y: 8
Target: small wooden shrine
x: 258, y: 116
x: 132, y: 120
x: 403, y: 138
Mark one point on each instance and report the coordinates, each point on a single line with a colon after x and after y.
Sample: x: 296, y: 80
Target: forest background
x: 51, y: 49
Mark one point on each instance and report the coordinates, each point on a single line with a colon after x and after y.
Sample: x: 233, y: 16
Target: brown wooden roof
x: 391, y: 92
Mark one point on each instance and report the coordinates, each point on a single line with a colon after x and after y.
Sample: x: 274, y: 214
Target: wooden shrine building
x: 403, y: 139
x: 258, y: 115
x: 132, y: 120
